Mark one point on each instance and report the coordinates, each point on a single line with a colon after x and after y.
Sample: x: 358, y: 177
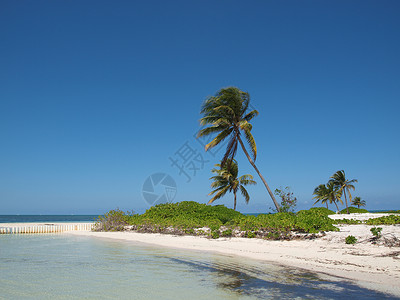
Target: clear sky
x: 96, y: 96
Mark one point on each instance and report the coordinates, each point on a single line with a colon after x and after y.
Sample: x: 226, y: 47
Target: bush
x: 354, y: 210
x: 214, y: 234
x: 226, y: 233
x: 322, y: 210
x: 347, y: 221
x: 351, y: 239
x: 390, y: 211
x: 313, y: 221
x: 188, y: 217
x: 387, y: 220
x: 114, y: 220
x: 376, y: 231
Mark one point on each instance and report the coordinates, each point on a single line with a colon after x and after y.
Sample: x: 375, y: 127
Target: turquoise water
x: 63, y: 266
x: 46, y: 218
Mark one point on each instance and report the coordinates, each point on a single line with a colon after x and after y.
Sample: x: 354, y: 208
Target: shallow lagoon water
x: 62, y: 266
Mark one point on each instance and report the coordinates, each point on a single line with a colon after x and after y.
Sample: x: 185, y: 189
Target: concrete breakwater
x: 21, y: 228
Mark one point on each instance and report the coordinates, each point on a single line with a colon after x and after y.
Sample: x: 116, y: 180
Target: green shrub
x: 386, y: 220
x: 347, y: 221
x: 114, y: 220
x: 351, y: 239
x: 186, y: 217
x: 214, y: 234
x: 354, y: 210
x: 313, y: 221
x: 226, y: 233
x: 376, y: 231
x: 322, y: 210
x: 250, y: 234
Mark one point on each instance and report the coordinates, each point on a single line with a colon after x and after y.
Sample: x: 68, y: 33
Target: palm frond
x: 250, y: 115
x: 219, y: 138
x: 220, y: 194
x: 245, y: 194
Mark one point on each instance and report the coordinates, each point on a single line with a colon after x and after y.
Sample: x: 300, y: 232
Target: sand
x: 372, y: 266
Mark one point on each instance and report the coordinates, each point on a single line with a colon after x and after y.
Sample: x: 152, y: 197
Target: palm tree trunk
x: 336, y: 205
x: 345, y: 198
x: 259, y: 174
x: 326, y: 204
x: 234, y: 201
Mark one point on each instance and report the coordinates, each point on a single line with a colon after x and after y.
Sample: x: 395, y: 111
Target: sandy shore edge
x: 370, y: 266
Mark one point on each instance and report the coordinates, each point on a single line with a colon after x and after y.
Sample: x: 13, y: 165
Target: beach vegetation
x: 350, y: 239
x: 347, y: 221
x: 226, y: 180
x: 386, y: 220
x: 228, y: 115
x: 322, y: 210
x: 288, y: 200
x: 376, y: 231
x: 354, y: 210
x: 114, y: 220
x: 192, y: 218
x: 343, y: 186
x: 358, y: 202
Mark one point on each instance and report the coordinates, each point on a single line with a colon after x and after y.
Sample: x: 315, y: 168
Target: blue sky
x: 95, y: 96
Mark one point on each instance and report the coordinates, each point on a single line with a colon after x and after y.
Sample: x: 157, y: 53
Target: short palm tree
x: 358, y: 202
x: 226, y: 179
x: 227, y: 115
x: 321, y: 195
x: 327, y: 193
x: 343, y: 185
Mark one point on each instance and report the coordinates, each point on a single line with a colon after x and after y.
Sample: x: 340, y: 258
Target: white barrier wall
x: 46, y: 228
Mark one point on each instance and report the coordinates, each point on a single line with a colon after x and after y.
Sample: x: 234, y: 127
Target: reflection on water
x: 65, y: 267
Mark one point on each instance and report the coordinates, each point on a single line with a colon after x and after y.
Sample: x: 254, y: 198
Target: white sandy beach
x: 372, y: 266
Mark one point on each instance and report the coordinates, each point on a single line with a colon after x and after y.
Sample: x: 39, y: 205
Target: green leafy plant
x: 376, y: 231
x: 354, y: 210
x: 347, y: 221
x: 351, y: 239
x: 386, y: 220
x: 214, y: 234
x: 189, y: 217
x: 226, y: 233
x: 114, y: 220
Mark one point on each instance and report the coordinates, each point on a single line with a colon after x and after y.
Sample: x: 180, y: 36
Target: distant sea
x: 46, y: 218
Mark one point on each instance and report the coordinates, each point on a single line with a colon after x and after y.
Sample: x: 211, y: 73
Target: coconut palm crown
x: 226, y: 115
x: 226, y: 180
x: 327, y: 193
x: 343, y: 185
x: 358, y: 202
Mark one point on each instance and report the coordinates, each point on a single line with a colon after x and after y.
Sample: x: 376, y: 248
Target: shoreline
x: 370, y: 266
x: 375, y: 267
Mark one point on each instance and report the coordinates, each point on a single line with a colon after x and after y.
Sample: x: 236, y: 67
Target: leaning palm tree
x: 343, y: 185
x: 227, y: 115
x: 320, y: 193
x: 226, y: 179
x: 358, y: 202
x: 327, y: 193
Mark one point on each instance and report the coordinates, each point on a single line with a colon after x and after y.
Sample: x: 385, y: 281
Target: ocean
x: 46, y: 218
x: 64, y: 266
